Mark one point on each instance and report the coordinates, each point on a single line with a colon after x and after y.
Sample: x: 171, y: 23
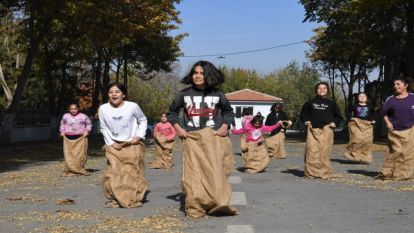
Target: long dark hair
x: 120, y: 86
x: 213, y: 77
x: 272, y: 109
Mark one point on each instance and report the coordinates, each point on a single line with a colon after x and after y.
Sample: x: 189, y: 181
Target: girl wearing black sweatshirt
x: 207, y: 155
x: 321, y: 116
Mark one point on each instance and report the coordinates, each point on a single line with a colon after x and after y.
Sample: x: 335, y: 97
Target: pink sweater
x: 75, y: 125
x: 165, y: 129
x: 255, y: 134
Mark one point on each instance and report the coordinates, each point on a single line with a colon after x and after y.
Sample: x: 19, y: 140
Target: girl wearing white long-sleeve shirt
x: 123, y: 126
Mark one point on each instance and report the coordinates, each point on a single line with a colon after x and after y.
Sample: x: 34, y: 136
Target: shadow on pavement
x: 16, y: 155
x: 344, y: 161
x: 364, y: 172
x: 179, y: 197
x: 295, y: 172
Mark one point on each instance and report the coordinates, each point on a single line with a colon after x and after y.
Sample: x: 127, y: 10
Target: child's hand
x: 332, y: 125
x: 181, y: 132
x: 390, y: 126
x: 116, y: 146
x: 308, y: 123
x: 373, y: 122
x: 222, y: 131
x: 62, y: 135
x: 85, y: 133
x: 135, y: 140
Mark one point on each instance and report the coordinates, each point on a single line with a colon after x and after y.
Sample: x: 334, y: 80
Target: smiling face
x: 400, y: 87
x: 116, y: 96
x: 322, y: 90
x: 73, y: 109
x: 198, y: 77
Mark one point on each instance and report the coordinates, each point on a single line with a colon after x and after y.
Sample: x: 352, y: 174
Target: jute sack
x: 399, y: 161
x: 360, y: 141
x: 317, y: 154
x: 243, y: 143
x: 256, y: 157
x: 163, y: 156
x: 75, y: 153
x: 276, y: 146
x: 207, y: 164
x: 124, y: 181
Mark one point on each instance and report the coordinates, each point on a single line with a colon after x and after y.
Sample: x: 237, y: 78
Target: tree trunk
x: 21, y: 82
x: 126, y: 75
x: 97, y: 81
x: 118, y: 68
x: 409, y: 51
x: 105, y: 81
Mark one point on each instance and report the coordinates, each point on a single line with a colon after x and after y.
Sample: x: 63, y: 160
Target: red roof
x: 250, y: 95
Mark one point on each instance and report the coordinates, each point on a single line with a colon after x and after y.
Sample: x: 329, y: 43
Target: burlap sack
x: 276, y: 146
x: 243, y: 143
x: 124, y: 180
x: 75, y: 153
x: 317, y: 154
x: 399, y: 161
x: 360, y: 141
x: 256, y: 157
x: 163, y: 155
x: 207, y: 164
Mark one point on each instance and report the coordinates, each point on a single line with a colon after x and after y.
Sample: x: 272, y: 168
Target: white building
x: 252, y: 100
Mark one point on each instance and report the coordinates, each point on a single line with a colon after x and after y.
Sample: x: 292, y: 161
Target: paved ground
x: 33, y: 198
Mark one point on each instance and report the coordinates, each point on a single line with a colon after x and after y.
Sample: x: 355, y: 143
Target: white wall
x: 263, y: 108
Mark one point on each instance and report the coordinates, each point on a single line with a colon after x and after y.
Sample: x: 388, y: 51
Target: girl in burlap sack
x: 164, y: 134
x: 276, y: 142
x: 398, y: 113
x: 207, y: 153
x: 246, y: 118
x: 321, y: 116
x: 74, y: 129
x: 361, y: 131
x: 123, y: 126
x: 255, y: 157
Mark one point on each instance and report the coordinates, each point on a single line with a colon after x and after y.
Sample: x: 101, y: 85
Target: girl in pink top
x: 164, y: 134
x: 165, y: 128
x: 255, y: 129
x: 75, y: 124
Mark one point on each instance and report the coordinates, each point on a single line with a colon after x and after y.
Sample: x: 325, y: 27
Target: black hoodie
x: 320, y: 112
x: 202, y: 108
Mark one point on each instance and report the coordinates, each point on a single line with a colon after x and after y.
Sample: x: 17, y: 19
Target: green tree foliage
x: 360, y: 36
x: 65, y: 43
x: 294, y: 83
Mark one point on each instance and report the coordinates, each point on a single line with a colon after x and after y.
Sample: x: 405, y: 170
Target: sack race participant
x: 123, y: 126
x: 276, y: 142
x: 255, y: 157
x: 246, y: 118
x: 74, y: 129
x: 207, y: 159
x: 164, y: 134
x: 361, y: 132
x: 398, y: 113
x: 321, y: 116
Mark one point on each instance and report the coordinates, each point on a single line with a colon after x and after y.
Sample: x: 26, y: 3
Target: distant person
x: 246, y: 116
x: 74, y: 129
x: 321, y: 115
x: 123, y: 126
x: 361, y: 131
x: 255, y: 156
x: 398, y: 113
x: 276, y: 142
x: 207, y: 154
x: 164, y: 134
